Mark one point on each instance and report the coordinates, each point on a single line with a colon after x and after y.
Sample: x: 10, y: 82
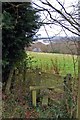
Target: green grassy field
x: 50, y: 62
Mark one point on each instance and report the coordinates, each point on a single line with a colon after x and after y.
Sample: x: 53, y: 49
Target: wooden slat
x: 41, y: 87
x: 34, y: 98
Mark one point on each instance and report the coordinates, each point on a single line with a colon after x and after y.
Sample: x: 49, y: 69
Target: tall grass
x: 47, y: 61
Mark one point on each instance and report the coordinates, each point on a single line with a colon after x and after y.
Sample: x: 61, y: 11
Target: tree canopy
x: 19, y: 25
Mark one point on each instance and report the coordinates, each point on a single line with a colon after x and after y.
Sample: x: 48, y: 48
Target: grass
x: 46, y: 61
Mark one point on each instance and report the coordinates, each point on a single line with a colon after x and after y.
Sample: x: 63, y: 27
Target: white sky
x: 52, y: 30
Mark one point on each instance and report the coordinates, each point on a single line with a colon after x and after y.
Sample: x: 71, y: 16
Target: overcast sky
x: 53, y: 29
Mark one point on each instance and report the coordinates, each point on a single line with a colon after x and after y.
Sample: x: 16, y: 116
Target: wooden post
x: 67, y: 93
x: 45, y: 101
x: 45, y: 97
x: 34, y: 98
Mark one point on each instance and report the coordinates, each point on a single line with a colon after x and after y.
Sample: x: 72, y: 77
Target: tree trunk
x: 8, y: 85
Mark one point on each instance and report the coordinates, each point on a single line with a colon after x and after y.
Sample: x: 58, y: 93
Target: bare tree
x: 59, y: 15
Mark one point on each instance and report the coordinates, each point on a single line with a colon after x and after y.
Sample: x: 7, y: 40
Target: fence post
x: 45, y: 97
x: 34, y: 98
x: 68, y: 93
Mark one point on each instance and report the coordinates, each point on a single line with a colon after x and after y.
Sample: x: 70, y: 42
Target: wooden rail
x: 41, y: 87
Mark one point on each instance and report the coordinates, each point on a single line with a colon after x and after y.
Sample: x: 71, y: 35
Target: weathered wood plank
x: 34, y: 98
x: 41, y: 87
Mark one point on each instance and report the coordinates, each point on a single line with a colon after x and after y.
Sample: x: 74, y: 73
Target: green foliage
x: 12, y: 107
x: 19, y: 25
x: 55, y: 111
